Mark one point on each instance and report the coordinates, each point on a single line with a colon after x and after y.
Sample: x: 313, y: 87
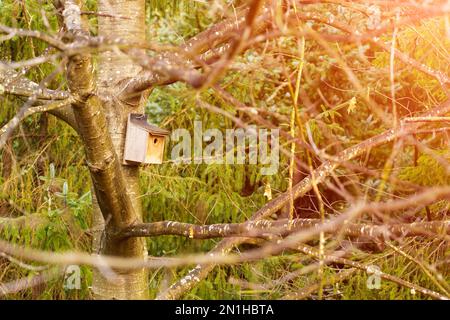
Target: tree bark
x: 113, y: 68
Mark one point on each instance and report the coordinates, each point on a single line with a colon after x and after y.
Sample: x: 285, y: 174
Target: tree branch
x: 14, y: 83
x: 54, y: 42
x: 181, y: 65
x: 30, y: 282
x: 352, y: 37
x: 65, y: 114
x: 36, y: 220
x: 354, y: 264
x: 102, y: 160
x: 269, y: 229
x: 217, y: 43
x: 7, y: 129
x: 195, y: 275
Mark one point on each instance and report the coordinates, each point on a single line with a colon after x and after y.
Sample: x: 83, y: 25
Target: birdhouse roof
x: 140, y: 120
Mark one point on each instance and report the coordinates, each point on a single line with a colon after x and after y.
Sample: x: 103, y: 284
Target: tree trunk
x: 114, y: 67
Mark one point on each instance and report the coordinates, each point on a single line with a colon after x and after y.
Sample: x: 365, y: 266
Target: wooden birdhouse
x: 144, y: 142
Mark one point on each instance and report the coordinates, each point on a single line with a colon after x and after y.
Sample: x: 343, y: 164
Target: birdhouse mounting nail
x: 144, y: 142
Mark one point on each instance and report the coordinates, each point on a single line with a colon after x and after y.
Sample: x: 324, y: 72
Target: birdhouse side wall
x: 135, y: 144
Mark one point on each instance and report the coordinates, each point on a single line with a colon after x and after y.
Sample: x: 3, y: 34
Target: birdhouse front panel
x: 155, y: 149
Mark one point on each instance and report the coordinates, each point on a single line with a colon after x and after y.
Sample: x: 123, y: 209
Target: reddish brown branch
x: 221, y: 43
x: 182, y: 64
x: 320, y: 173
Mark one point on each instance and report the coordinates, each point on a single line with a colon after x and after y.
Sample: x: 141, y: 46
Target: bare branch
x: 217, y: 41
x: 29, y: 282
x: 225, y: 246
x: 218, y: 257
x: 52, y: 41
x: 312, y: 252
x: 7, y: 129
x: 181, y: 65
x: 239, y: 43
x: 427, y: 119
x: 14, y: 83
x: 269, y: 229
